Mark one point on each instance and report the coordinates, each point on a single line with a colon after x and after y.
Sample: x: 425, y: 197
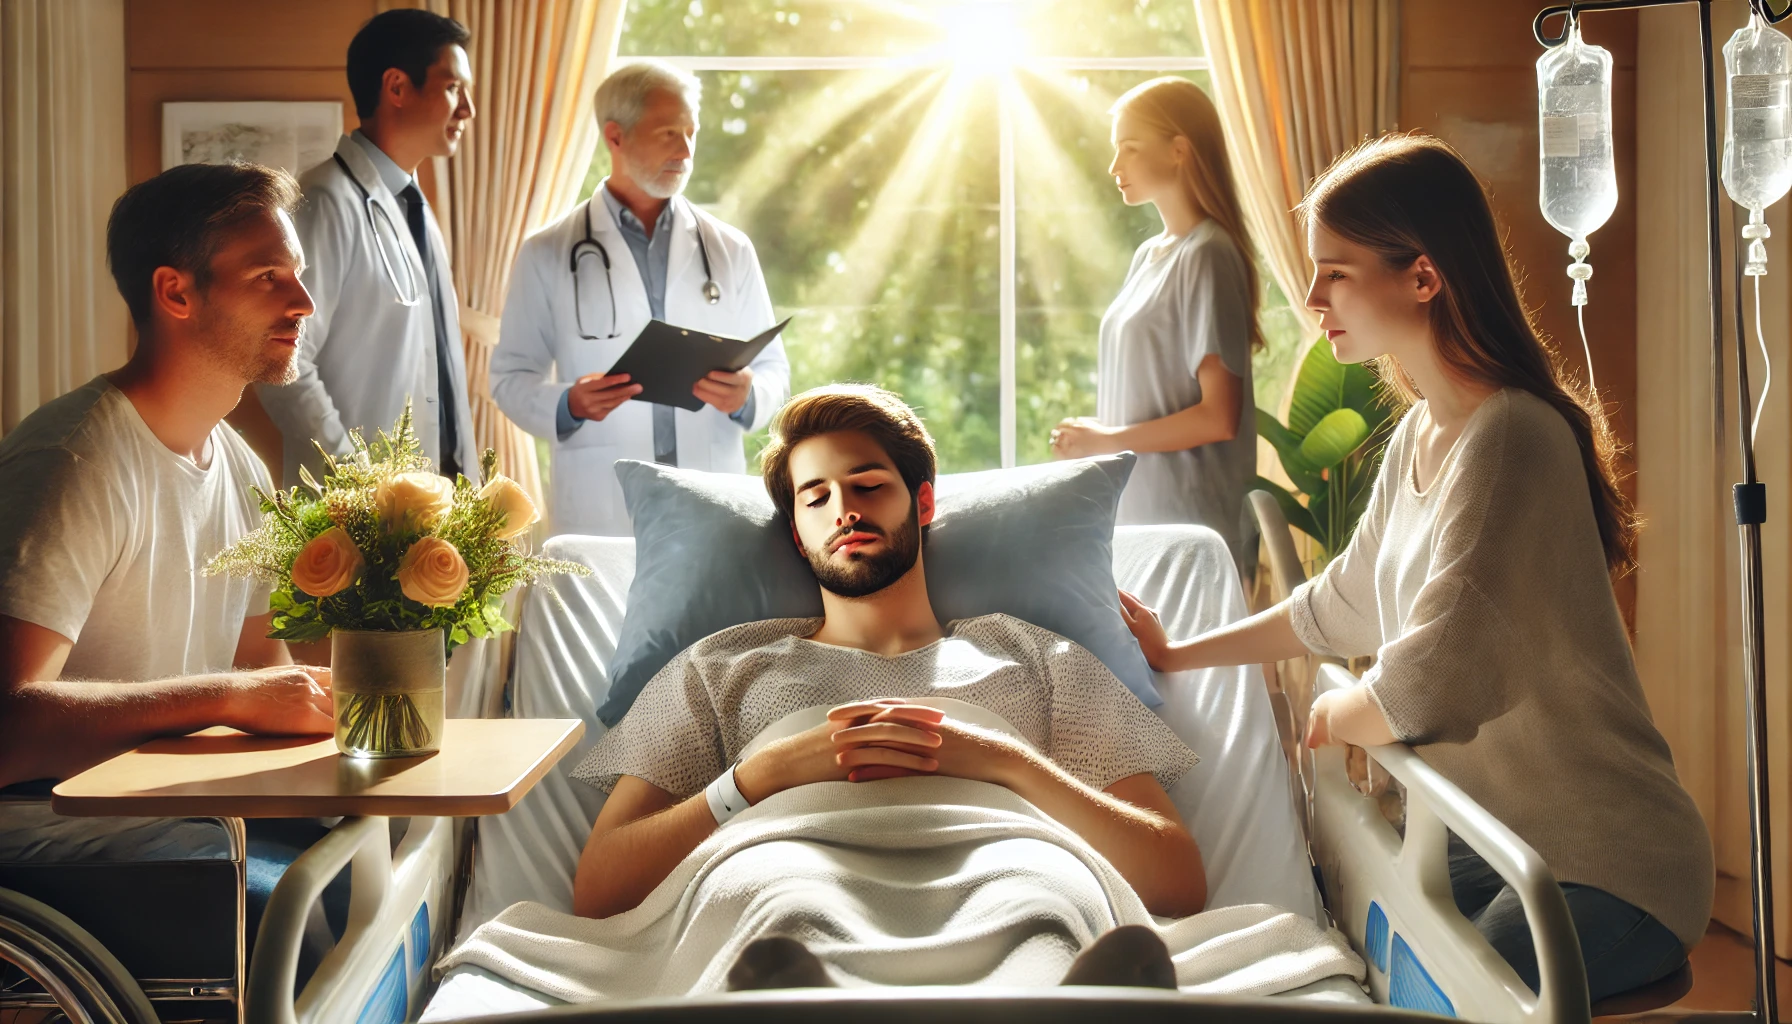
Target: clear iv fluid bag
x: 1757, y: 132
x: 1579, y: 182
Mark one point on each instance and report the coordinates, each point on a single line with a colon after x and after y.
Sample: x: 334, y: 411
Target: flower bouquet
x: 399, y: 566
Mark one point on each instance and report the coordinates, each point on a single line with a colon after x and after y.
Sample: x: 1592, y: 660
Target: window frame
x: 1005, y: 171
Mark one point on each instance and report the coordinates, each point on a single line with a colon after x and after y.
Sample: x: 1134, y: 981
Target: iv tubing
x: 1766, y: 361
x: 1580, y: 317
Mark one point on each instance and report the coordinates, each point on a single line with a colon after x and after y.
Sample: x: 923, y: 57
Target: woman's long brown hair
x: 1405, y: 195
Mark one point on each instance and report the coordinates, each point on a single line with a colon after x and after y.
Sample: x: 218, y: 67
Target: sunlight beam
x: 892, y: 222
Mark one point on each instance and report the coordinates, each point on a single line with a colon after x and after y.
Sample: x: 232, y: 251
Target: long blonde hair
x: 1176, y: 107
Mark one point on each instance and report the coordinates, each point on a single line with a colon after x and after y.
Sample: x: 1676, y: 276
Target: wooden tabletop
x: 484, y: 767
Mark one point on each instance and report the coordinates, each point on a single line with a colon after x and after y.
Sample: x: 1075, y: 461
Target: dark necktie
x: 445, y: 403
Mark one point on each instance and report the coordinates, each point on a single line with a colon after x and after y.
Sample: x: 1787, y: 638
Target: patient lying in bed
x: 1031, y: 712
x: 873, y: 798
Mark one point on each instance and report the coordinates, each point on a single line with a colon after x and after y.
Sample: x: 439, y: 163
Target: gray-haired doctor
x: 584, y: 287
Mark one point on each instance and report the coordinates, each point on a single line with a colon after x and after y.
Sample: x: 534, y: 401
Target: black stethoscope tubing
x: 712, y: 292
x: 379, y: 250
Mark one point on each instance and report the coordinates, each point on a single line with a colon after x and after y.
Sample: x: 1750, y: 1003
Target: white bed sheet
x: 470, y: 991
x: 1236, y: 802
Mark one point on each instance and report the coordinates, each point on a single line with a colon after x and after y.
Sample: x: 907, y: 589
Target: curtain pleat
x: 1297, y: 83
x: 536, y: 64
x: 62, y: 165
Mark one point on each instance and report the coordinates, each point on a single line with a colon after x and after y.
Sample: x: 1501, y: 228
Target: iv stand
x: 1749, y: 496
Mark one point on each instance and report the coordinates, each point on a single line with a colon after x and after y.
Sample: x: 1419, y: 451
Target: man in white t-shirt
x: 118, y: 493
x: 851, y: 468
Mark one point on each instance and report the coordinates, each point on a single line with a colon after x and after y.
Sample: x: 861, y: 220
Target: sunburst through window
x: 926, y: 186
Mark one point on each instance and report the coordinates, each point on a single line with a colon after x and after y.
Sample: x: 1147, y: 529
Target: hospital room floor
x: 1723, y: 978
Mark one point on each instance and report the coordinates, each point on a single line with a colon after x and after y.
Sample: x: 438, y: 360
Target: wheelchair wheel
x: 76, y: 975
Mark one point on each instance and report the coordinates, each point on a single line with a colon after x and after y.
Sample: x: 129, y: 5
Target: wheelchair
x: 161, y: 938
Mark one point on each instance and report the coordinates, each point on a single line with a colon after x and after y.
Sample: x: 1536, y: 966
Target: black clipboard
x: 668, y: 361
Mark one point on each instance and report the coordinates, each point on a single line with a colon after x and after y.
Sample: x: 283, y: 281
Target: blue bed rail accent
x: 1376, y: 937
x: 420, y: 937
x: 389, y: 1000
x: 1410, y: 986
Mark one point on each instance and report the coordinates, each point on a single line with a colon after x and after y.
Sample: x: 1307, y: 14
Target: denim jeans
x: 1623, y: 947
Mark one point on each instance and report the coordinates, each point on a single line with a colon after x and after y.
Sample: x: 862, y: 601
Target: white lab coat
x: 540, y: 352
x: 363, y: 353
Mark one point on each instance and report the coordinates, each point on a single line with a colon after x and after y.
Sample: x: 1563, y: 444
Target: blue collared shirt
x: 653, y: 255
x: 391, y: 175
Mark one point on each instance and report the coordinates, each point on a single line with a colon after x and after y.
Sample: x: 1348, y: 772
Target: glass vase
x: 387, y: 687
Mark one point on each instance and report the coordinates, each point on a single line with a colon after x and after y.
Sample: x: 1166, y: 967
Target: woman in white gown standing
x: 1174, y: 373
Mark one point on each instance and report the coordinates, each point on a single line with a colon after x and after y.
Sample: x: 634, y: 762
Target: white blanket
x: 902, y: 882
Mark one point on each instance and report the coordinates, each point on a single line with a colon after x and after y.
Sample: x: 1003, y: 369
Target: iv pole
x: 1749, y: 496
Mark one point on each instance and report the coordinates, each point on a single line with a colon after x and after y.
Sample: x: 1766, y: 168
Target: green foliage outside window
x: 872, y: 197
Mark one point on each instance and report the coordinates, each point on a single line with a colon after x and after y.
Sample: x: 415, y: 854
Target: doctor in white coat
x: 584, y: 287
x: 387, y: 326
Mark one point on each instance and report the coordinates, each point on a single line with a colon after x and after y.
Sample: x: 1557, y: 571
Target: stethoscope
x: 712, y: 292
x: 380, y: 249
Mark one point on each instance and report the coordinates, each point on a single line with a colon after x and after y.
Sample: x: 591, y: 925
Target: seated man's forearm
x: 56, y: 729
x: 1151, y: 850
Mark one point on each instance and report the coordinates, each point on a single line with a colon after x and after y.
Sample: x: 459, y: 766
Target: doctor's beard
x: 868, y: 575
x: 661, y: 182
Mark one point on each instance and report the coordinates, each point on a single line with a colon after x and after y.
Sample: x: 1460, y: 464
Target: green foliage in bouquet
x: 382, y: 544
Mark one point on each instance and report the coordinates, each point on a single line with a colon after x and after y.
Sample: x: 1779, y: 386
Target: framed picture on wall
x: 293, y: 136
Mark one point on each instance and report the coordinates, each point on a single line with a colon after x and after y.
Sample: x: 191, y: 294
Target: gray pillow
x: 1036, y: 542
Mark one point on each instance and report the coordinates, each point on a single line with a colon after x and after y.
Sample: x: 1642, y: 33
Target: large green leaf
x: 1319, y: 388
x: 1319, y: 505
x: 1333, y: 439
x: 1304, y: 474
x: 1292, y: 510
x: 1366, y: 395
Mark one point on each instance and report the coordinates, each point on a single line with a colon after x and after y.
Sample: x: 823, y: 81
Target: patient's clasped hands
x: 883, y: 738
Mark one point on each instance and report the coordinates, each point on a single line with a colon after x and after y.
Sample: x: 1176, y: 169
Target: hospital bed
x: 1388, y: 893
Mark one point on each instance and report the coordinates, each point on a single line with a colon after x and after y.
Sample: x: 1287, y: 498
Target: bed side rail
x: 1392, y: 896
x: 397, y: 923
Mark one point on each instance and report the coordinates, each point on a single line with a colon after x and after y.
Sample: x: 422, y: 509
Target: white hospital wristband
x: 724, y: 797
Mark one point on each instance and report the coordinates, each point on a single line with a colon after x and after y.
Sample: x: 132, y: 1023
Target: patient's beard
x: 861, y: 577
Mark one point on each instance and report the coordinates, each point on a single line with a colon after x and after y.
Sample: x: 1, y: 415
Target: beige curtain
x: 61, y: 166
x: 1297, y: 83
x: 536, y: 64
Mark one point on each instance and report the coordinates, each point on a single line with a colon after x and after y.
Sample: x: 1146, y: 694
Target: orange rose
x: 432, y: 573
x: 421, y: 498
x: 506, y: 496
x: 327, y: 564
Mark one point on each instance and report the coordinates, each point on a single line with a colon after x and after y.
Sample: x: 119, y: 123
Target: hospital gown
x: 694, y: 717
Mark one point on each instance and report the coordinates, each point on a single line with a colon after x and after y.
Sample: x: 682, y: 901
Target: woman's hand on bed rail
x: 1348, y: 716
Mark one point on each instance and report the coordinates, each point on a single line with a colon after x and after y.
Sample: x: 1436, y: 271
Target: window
x: 926, y: 185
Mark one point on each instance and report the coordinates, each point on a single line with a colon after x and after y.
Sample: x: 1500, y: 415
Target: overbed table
x: 484, y: 767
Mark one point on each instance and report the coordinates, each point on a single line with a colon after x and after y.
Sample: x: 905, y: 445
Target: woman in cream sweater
x: 1481, y: 576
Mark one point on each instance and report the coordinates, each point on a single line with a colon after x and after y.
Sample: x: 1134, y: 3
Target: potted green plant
x: 1338, y: 424
x: 398, y: 566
